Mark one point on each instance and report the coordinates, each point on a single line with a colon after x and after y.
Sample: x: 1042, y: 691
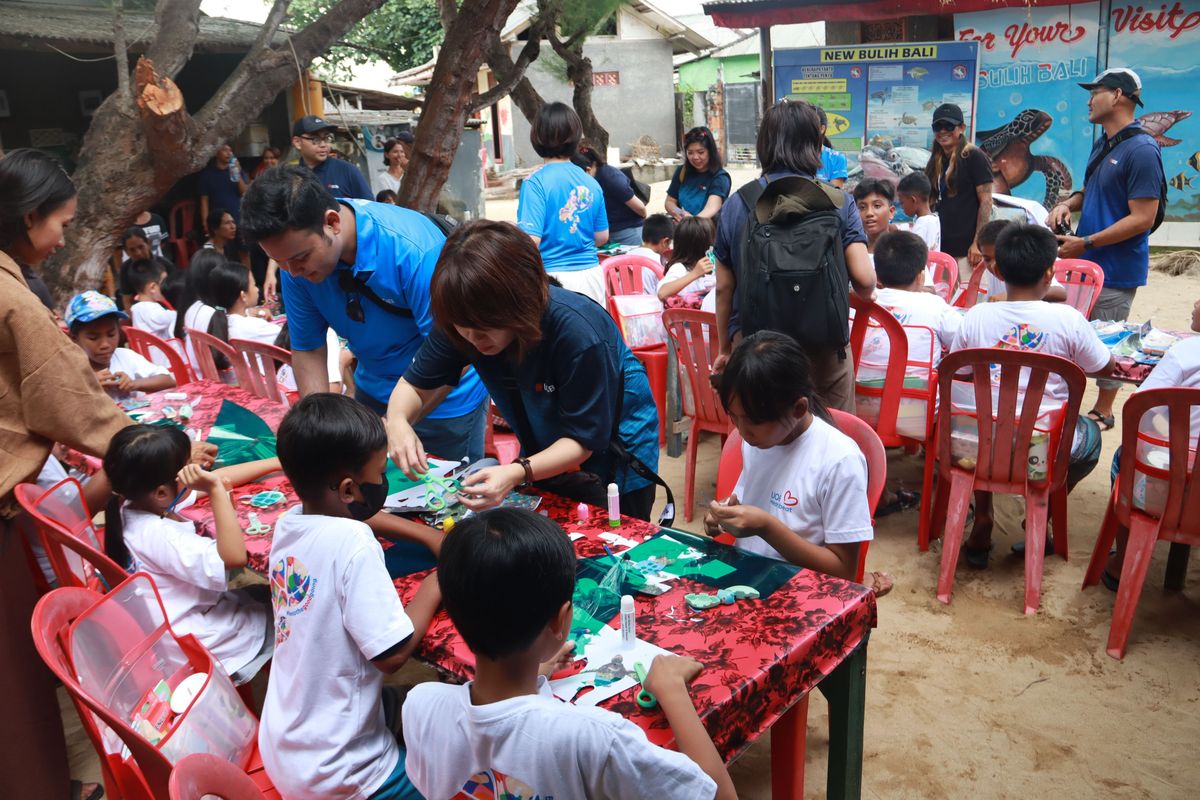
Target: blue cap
x: 90, y: 306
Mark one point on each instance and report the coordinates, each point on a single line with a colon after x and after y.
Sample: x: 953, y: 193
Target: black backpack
x: 792, y: 276
x: 1122, y: 135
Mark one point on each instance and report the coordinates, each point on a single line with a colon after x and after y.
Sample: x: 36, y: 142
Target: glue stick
x: 614, y: 506
x: 583, y: 512
x: 628, y: 623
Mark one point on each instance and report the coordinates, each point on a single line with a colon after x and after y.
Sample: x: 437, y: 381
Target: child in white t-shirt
x: 802, y: 494
x: 656, y: 243
x: 94, y: 322
x: 991, y: 287
x: 508, y: 576
x: 690, y: 271
x: 876, y: 201
x: 152, y: 478
x: 333, y: 360
x: 913, y: 192
x: 1025, y: 256
x: 147, y: 311
x: 328, y: 727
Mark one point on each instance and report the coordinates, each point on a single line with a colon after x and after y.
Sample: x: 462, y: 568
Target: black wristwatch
x: 1087, y: 243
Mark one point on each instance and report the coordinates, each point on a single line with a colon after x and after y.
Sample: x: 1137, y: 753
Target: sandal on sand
x: 977, y: 557
x: 77, y: 791
x: 903, y: 501
x: 880, y: 583
x: 1105, y: 423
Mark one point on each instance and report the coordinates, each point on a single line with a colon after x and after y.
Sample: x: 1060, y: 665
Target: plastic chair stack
x: 262, y: 367
x: 1153, y: 502
x: 944, y: 269
x: 693, y: 334
x: 1005, y: 430
x: 146, y: 344
x: 70, y: 539
x: 623, y: 276
x: 201, y: 776
x: 204, y: 344
x: 1083, y: 281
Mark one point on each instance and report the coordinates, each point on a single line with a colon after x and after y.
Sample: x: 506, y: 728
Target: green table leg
x: 846, y: 690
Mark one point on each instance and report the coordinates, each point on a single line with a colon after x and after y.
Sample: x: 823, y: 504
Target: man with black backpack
x: 789, y: 249
x: 1122, y: 202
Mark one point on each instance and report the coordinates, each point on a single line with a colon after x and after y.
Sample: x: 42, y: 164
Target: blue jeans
x: 452, y: 438
x: 628, y: 236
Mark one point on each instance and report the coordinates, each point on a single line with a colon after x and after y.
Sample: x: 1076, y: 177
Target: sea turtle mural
x: 1157, y: 123
x: 1012, y: 161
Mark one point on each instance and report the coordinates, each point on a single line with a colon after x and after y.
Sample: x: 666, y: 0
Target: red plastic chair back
x: 730, y: 469
x: 867, y: 315
x: 201, y: 775
x: 945, y: 274
x: 262, y: 362
x: 203, y: 344
x: 1083, y: 281
x: 146, y: 344
x: 694, y: 337
x: 969, y: 296
x: 72, y: 543
x: 623, y: 274
x: 181, y: 221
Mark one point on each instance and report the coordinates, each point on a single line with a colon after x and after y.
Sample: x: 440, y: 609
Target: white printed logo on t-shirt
x: 492, y: 784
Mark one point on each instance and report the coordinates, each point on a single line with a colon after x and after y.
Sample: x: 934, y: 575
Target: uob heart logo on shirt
x: 790, y: 500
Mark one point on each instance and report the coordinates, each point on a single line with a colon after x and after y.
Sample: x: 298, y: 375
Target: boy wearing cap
x: 1118, y: 204
x: 94, y: 322
x: 312, y: 137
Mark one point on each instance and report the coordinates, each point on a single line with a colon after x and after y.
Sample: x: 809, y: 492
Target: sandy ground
x: 976, y: 700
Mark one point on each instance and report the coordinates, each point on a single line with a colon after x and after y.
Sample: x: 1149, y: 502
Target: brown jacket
x: 48, y: 392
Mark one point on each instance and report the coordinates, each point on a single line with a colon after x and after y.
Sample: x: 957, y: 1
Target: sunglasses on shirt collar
x: 354, y: 306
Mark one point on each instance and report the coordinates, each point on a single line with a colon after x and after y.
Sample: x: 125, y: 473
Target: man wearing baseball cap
x: 312, y: 137
x: 1118, y: 206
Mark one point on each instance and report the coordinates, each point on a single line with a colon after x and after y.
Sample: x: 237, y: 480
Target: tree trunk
x: 130, y: 157
x: 524, y: 96
x: 448, y: 101
x: 579, y: 72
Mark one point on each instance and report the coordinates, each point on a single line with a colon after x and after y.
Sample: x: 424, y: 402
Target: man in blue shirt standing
x: 312, y: 137
x: 363, y: 269
x: 1118, y: 206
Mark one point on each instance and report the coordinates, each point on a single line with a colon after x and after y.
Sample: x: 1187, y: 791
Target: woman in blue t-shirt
x: 699, y: 186
x: 833, y: 164
x: 554, y: 363
x: 562, y: 207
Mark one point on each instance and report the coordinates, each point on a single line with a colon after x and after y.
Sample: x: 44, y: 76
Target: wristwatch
x: 1087, y: 243
x: 524, y: 462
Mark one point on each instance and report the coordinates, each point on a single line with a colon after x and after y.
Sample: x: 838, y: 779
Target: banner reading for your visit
x: 880, y: 98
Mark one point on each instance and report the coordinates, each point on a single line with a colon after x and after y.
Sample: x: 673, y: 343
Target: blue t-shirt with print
x: 1132, y: 171
x: 564, y: 207
x: 569, y: 384
x: 833, y: 165
x: 396, y: 253
x: 343, y: 179
x: 731, y: 232
x: 693, y: 191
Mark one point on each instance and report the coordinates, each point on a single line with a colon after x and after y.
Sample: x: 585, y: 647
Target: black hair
x: 132, y: 232
x: 824, y: 124
x: 213, y: 221
x: 556, y: 131
x: 701, y: 135
x: 870, y: 186
x: 1024, y: 253
x: 140, y: 459
x: 657, y: 227
x: 284, y: 339
x: 226, y: 282
x: 693, y: 236
x: 789, y: 138
x: 145, y: 271
x: 768, y: 372
x: 587, y: 156
x: 900, y: 256
x: 178, y: 292
x: 505, y: 574
x: 386, y: 196
x: 31, y: 182
x: 989, y: 232
x: 387, y: 147
x: 324, y: 438
x: 283, y: 198
x: 915, y: 184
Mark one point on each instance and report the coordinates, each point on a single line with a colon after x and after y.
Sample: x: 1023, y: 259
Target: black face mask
x: 374, y: 496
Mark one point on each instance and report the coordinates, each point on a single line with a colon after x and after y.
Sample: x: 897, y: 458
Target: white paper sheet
x: 599, y: 651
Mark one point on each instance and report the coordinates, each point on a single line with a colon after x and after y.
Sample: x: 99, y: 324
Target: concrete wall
x: 697, y: 76
x: 643, y: 102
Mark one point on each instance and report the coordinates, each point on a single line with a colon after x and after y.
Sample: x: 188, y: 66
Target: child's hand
x: 564, y: 658
x: 737, y: 519
x: 204, y: 454
x: 122, y: 382
x: 703, y: 267
x: 670, y: 673
x: 194, y: 477
x: 106, y: 378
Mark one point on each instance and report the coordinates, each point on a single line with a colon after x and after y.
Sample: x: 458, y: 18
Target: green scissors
x: 644, y: 698
x: 437, y: 489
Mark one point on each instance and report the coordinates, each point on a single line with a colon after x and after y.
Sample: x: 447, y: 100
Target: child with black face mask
x: 339, y: 624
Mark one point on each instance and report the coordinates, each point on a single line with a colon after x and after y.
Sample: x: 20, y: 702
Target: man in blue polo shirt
x: 363, y: 269
x: 1118, y: 205
x: 312, y: 137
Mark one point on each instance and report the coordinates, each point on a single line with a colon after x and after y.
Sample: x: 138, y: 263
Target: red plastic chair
x: 72, y: 543
x: 1083, y: 280
x: 945, y: 274
x: 969, y: 295
x: 146, y: 344
x: 262, y: 367
x: 1179, y: 521
x: 203, y: 344
x: 1002, y: 460
x: 868, y: 315
x: 504, y: 445
x: 694, y: 337
x: 201, y: 775
x: 623, y: 274
x: 182, y: 222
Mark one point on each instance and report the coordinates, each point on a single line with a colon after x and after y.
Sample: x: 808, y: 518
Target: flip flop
x: 1110, y: 583
x: 977, y: 557
x: 904, y: 501
x: 1018, y: 547
x: 1105, y: 423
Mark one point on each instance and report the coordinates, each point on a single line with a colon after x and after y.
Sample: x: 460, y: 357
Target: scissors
x: 438, y: 489
x: 644, y: 698
x: 264, y: 499
x: 256, y: 526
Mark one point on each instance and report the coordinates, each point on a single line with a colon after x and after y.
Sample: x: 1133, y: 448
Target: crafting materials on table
x: 628, y: 621
x: 264, y: 499
x: 614, y: 506
x: 240, y: 435
x: 727, y: 597
x: 608, y: 670
x: 644, y: 698
x: 583, y: 512
x: 256, y: 527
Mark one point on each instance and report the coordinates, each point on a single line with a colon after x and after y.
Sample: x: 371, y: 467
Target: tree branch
x: 121, y: 53
x: 448, y: 12
x: 274, y: 19
x: 177, y: 24
x: 511, y: 73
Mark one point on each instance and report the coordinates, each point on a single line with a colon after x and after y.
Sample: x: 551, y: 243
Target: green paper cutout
x: 240, y: 436
x: 719, y: 566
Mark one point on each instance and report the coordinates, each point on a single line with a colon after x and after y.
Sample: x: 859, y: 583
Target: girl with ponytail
x: 231, y: 290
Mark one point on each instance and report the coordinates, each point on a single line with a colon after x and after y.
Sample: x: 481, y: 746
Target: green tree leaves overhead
x: 401, y: 33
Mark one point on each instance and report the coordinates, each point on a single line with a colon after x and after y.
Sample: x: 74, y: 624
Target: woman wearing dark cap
x: 699, y: 186
x: 961, y: 176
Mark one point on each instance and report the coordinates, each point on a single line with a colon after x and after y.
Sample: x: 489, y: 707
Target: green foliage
x: 402, y: 33
x: 585, y: 15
